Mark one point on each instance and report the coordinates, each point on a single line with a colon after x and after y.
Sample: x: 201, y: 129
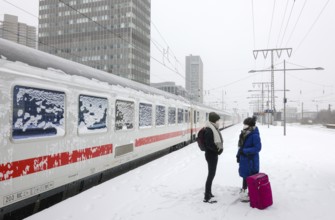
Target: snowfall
x: 300, y: 166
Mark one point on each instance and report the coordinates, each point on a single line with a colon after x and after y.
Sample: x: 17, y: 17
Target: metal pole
x: 222, y: 99
x: 272, y: 89
x: 284, y: 98
x: 262, y: 104
x: 268, y: 109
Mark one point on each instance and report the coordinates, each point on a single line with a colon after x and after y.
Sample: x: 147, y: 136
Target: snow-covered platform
x: 300, y: 166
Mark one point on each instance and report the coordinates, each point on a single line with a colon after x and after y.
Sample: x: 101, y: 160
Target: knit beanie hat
x: 213, y: 117
x: 250, y: 121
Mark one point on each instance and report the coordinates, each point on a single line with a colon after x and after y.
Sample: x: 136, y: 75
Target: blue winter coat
x: 249, y: 160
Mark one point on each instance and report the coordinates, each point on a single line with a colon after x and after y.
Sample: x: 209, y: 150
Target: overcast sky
x: 225, y: 33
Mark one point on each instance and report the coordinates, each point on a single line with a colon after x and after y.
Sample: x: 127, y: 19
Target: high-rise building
x: 170, y: 87
x: 110, y: 35
x: 13, y: 30
x: 194, y: 78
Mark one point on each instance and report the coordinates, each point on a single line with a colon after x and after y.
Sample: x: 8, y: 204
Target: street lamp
x: 316, y: 68
x: 294, y: 69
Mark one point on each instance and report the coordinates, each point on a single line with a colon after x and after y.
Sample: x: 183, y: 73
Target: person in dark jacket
x: 214, y: 147
x: 249, y: 146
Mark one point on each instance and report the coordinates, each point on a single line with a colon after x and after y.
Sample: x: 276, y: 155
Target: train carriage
x: 65, y: 127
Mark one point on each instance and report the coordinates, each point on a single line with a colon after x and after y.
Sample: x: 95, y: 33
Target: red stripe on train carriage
x: 155, y: 138
x: 37, y: 164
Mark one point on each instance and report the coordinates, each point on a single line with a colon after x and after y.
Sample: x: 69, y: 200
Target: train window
x: 186, y: 116
x: 180, y: 115
x: 172, y: 115
x: 160, y: 115
x: 92, y: 115
x: 37, y: 113
x: 145, y: 115
x: 124, y: 115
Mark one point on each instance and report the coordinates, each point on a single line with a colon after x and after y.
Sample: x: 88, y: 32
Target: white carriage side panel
x: 159, y: 137
x: 81, y: 152
x: 46, y: 170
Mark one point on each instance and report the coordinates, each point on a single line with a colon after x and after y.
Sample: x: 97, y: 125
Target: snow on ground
x: 300, y: 166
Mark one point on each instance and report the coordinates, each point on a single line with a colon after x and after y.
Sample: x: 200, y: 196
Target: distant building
x: 110, y: 35
x: 170, y: 87
x: 194, y: 78
x: 291, y: 114
x: 308, y: 115
x: 11, y: 29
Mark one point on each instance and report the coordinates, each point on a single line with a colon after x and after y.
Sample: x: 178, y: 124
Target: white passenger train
x: 65, y: 127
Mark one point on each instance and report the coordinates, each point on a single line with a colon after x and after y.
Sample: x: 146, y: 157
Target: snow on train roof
x: 18, y: 53
x: 15, y: 52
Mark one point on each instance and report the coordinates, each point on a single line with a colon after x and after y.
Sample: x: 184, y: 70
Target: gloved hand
x: 240, y: 152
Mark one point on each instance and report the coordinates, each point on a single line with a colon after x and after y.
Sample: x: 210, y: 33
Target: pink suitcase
x: 260, y: 193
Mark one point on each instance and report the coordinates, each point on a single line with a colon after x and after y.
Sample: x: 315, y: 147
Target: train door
x: 187, y: 121
x: 192, y: 113
x: 195, y: 123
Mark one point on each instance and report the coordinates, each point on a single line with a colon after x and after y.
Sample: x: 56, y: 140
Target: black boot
x: 209, y: 198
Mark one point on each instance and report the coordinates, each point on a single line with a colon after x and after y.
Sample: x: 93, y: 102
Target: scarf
x: 243, y: 135
x: 217, y: 135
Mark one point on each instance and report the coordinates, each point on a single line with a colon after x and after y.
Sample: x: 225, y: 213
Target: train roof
x: 16, y: 52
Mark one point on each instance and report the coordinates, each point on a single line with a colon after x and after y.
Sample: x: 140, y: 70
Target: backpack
x: 201, y: 139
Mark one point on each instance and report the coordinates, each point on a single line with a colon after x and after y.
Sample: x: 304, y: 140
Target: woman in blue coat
x: 249, y: 145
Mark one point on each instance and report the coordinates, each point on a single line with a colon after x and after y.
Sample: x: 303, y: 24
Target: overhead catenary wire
x: 233, y: 82
x: 161, y: 49
x: 310, y: 82
x: 281, y: 26
x: 20, y: 8
x: 296, y: 64
x: 273, y: 12
x: 287, y: 23
x: 253, y: 22
x: 270, y: 30
x: 243, y: 78
x: 312, y: 26
x: 296, y: 23
x: 157, y: 45
x: 161, y: 35
x: 319, y: 84
x: 168, y: 49
x: 307, y: 81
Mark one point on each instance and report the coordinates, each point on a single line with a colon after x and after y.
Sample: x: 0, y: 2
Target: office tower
x: 110, y: 35
x: 194, y: 78
x: 13, y: 30
x: 170, y: 87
